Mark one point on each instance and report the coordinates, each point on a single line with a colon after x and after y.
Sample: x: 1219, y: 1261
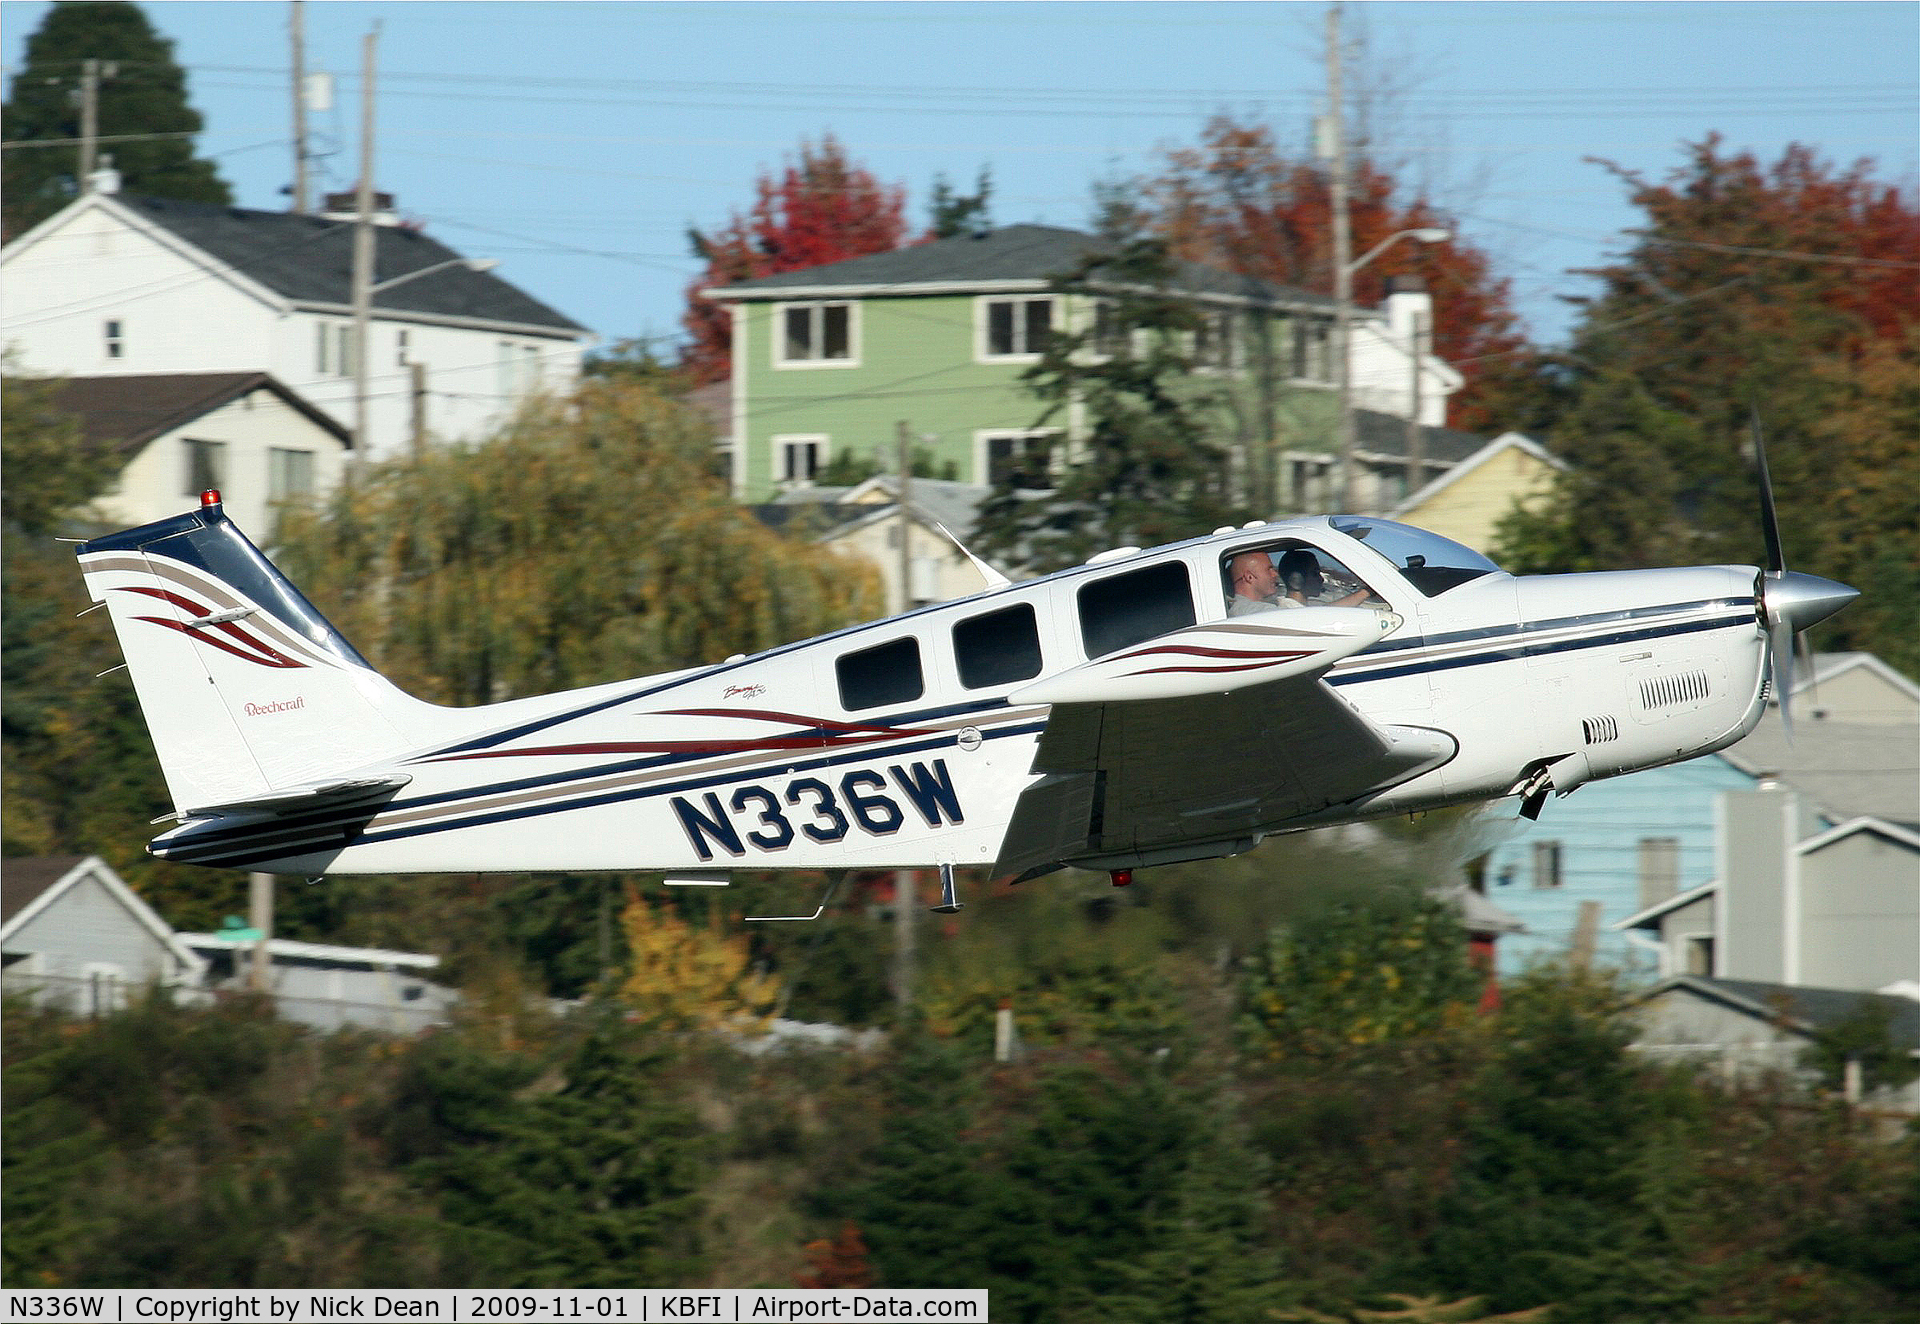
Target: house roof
x: 1650, y: 917
x: 1488, y: 450
x: 1849, y: 769
x: 1807, y: 1010
x: 1829, y: 667
x: 125, y: 413
x: 23, y: 880
x: 309, y: 260
x: 1013, y: 256
x: 1386, y: 435
x: 318, y: 952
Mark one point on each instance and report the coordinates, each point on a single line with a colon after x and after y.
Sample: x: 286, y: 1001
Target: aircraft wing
x: 1191, y: 775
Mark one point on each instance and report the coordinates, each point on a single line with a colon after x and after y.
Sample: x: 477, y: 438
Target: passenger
x: 1256, y: 584
x: 1300, y: 572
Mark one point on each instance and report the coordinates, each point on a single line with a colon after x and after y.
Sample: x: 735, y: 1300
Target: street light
x: 364, y: 288
x: 1343, y: 340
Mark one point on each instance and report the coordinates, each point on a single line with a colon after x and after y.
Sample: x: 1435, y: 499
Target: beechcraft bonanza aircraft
x: 1106, y: 717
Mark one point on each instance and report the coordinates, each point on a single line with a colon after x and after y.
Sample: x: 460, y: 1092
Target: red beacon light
x: 210, y: 498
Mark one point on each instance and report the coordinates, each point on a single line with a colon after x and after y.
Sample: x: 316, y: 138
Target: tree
x: 1237, y: 202
x: 1753, y: 290
x: 589, y: 541
x: 821, y: 208
x: 1147, y: 468
x: 952, y: 213
x: 143, y: 93
x: 684, y: 978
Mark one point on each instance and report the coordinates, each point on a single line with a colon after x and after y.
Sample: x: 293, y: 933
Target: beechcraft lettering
x: 1151, y: 706
x: 811, y: 808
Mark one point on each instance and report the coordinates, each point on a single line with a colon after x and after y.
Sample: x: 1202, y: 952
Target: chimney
x: 105, y: 179
x: 1407, y: 298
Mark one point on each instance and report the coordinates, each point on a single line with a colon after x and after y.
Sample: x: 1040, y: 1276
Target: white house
x: 119, y: 284
x: 73, y: 936
x: 179, y: 434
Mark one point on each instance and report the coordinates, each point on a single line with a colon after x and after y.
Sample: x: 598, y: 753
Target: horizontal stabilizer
x: 1217, y: 657
x: 304, y: 799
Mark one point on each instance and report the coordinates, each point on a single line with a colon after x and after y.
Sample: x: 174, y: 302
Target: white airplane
x: 1106, y: 717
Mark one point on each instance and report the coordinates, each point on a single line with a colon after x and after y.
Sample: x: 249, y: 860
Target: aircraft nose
x: 1803, y: 600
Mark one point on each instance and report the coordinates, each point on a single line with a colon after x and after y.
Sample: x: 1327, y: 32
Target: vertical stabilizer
x: 247, y: 690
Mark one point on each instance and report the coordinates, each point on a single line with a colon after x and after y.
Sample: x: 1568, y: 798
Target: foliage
x: 48, y: 470
x: 146, y: 93
x: 820, y: 208
x: 587, y: 542
x: 840, y: 1262
x: 1236, y: 201
x: 682, y: 977
x: 1145, y: 467
x: 1775, y: 292
x: 953, y: 213
x: 1393, y: 968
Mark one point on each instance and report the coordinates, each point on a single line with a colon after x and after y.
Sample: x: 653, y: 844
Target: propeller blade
x: 1769, y: 520
x: 1780, y: 649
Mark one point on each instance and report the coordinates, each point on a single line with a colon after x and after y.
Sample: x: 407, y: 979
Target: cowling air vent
x: 1599, y: 730
x: 1673, y: 690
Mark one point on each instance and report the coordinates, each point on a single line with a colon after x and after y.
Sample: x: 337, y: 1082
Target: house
x: 1467, y: 501
x: 180, y: 433
x: 119, y: 284
x: 865, y: 521
x: 1648, y: 843
x: 1856, y: 688
x: 1750, y: 1029
x: 330, y: 987
x: 831, y: 359
x: 75, y: 937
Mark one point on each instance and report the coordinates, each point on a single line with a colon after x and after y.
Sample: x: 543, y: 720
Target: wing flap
x: 305, y: 799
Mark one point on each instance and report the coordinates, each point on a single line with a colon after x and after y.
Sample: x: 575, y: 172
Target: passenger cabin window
x: 1127, y: 609
x: 1291, y: 574
x: 998, y: 648
x: 876, y: 677
x: 1431, y: 564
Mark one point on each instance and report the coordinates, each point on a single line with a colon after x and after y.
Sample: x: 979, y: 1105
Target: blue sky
x: 578, y: 142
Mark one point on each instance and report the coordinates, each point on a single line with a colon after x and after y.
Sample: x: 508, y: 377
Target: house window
x: 798, y: 460
x: 333, y: 349
x: 104, y: 986
x: 116, y: 339
x: 815, y: 333
x: 997, y: 648
x: 1216, y: 341
x: 1312, y: 346
x: 1659, y: 869
x: 1546, y: 864
x: 1017, y: 328
x: 1140, y: 605
x: 400, y: 349
x: 1699, y: 955
x: 289, y: 474
x: 206, y: 465
x: 1024, y: 458
x: 1109, y: 333
x: 876, y: 677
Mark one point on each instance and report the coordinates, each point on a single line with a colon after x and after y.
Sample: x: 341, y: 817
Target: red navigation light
x: 1123, y: 878
x: 210, y: 497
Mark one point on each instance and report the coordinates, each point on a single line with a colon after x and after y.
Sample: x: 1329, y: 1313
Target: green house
x: 833, y: 360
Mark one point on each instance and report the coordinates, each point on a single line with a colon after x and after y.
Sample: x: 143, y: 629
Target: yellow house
x: 1467, y: 502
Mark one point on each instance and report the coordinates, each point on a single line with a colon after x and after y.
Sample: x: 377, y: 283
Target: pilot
x: 1256, y: 584
x: 1299, y: 570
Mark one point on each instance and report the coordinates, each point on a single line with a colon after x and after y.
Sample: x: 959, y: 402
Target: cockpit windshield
x: 1431, y: 564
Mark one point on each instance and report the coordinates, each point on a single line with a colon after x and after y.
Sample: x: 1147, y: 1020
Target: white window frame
x: 982, y: 319
x: 823, y: 450
x: 281, y: 465
x: 1549, y: 865
x: 114, y: 331
x: 983, y: 439
x: 218, y: 456
x: 816, y: 307
x: 103, y: 988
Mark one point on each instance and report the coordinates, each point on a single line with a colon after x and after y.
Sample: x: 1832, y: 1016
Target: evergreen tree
x: 953, y: 213
x: 1148, y: 468
x: 142, y: 91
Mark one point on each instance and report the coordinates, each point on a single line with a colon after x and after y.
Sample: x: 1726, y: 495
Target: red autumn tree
x: 1236, y: 201
x: 841, y: 1262
x: 820, y: 208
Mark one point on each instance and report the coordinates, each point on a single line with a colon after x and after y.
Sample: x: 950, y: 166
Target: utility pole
x: 417, y: 375
x: 89, y: 121
x: 1342, y: 255
x: 903, y: 451
x: 1416, y: 438
x: 906, y: 891
x: 298, y: 31
x: 363, y: 239
x: 260, y: 918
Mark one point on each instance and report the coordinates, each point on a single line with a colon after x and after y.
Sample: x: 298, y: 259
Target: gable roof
x: 1487, y: 451
x: 125, y: 413
x: 1848, y: 769
x: 1013, y: 257
x: 48, y: 886
x: 309, y: 260
x: 23, y: 880
x: 1385, y: 435
x: 1804, y: 1010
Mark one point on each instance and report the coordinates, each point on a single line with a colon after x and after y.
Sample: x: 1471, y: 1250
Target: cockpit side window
x: 1291, y: 574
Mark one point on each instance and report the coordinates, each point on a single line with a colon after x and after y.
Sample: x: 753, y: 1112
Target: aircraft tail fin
x: 248, y: 692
